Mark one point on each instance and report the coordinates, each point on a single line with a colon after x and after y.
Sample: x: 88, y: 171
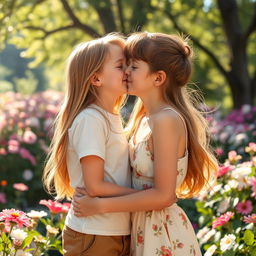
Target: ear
x: 95, y: 80
x: 160, y: 78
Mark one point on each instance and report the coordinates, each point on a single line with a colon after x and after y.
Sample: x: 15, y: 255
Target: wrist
x: 101, y: 205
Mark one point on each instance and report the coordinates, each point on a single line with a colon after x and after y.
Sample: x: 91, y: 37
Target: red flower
x: 180, y: 245
x: 223, y: 170
x: 140, y: 239
x: 13, y: 216
x: 55, y: 207
x: 223, y: 219
x: 154, y: 227
x: 165, y: 251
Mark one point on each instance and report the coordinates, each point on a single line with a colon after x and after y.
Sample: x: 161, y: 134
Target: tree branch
x: 120, y: 14
x: 10, y: 11
x: 77, y: 23
x: 49, y: 32
x: 252, y: 26
x: 198, y: 44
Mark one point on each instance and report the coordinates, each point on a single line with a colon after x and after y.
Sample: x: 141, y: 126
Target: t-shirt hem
x: 101, y: 232
x: 91, y: 152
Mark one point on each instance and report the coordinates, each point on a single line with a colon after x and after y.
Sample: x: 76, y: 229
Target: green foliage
x: 26, y: 85
x: 48, y: 30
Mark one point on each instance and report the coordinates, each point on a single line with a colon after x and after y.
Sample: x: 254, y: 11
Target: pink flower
x: 13, y: 216
x: 2, y: 198
x: 3, y: 152
x: 223, y: 170
x: 13, y: 146
x: 250, y: 218
x: 29, y: 137
x: 251, y: 148
x: 223, y: 219
x: 24, y: 153
x: 244, y: 207
x: 65, y: 207
x: 219, y: 151
x: 55, y: 207
x: 233, y: 157
x: 20, y: 186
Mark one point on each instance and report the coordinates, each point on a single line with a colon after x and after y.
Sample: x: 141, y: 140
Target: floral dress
x: 166, y: 232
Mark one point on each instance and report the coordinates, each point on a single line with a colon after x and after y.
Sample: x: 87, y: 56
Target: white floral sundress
x: 167, y: 232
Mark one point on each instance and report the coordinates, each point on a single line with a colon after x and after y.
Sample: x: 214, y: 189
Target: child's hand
x: 80, y: 191
x: 85, y: 205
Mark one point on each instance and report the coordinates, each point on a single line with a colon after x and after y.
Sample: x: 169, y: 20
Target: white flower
x: 202, y: 232
x: 246, y: 109
x: 18, y: 234
x: 27, y: 174
x: 240, y: 138
x: 210, y: 251
x: 211, y: 233
x: 241, y: 172
x: 36, y: 214
x: 223, y: 206
x: 32, y: 122
x: 215, y: 189
x: 227, y: 242
x: 233, y: 183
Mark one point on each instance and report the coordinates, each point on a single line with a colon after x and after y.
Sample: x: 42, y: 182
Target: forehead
x: 115, y: 52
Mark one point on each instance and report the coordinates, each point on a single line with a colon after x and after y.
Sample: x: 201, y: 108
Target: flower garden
x: 31, y: 223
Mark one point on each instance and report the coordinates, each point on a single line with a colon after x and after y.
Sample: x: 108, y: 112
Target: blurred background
x: 36, y: 36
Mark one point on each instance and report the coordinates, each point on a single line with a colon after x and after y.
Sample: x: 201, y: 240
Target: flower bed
x: 228, y: 212
x: 33, y: 233
x: 25, y: 132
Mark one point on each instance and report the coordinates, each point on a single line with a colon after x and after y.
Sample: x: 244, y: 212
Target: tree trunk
x: 238, y: 76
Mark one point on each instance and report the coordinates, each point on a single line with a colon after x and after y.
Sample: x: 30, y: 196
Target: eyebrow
x: 119, y: 60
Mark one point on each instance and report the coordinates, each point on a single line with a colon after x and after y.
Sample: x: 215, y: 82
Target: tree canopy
x: 222, y: 33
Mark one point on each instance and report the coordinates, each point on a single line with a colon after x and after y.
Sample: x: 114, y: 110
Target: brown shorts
x: 80, y: 244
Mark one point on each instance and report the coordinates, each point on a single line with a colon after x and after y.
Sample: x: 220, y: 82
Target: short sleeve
x: 88, y: 136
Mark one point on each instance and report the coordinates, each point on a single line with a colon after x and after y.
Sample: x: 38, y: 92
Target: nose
x: 127, y: 70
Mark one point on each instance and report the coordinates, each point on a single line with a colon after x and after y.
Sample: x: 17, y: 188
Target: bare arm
x: 166, y: 135
x: 95, y: 185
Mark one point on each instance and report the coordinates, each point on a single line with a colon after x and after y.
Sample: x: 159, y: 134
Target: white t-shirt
x: 90, y: 134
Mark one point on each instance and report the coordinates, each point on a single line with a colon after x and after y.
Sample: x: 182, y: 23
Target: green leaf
x: 27, y: 241
x: 253, y: 251
x: 229, y: 253
x: 248, y: 237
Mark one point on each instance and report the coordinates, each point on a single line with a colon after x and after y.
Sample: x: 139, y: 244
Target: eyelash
x: 133, y: 67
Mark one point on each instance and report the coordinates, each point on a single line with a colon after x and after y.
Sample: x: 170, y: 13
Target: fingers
x: 81, y: 191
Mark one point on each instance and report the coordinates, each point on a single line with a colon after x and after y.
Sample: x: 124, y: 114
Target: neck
x: 107, y: 104
x: 153, y: 104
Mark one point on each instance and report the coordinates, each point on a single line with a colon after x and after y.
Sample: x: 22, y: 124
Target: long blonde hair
x: 86, y: 59
x: 173, y: 55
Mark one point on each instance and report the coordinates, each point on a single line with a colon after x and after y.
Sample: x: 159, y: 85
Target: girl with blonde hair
x: 169, y: 148
x: 90, y: 148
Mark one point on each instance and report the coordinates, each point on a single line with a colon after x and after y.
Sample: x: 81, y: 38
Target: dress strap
x: 184, y: 123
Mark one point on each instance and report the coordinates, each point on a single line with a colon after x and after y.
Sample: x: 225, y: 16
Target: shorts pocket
x: 88, y: 243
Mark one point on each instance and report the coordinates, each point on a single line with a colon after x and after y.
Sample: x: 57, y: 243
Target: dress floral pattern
x: 167, y: 232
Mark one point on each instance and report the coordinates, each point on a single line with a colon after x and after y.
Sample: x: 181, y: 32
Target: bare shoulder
x: 167, y: 121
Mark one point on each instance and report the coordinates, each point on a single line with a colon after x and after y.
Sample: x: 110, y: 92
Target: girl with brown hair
x: 169, y: 148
